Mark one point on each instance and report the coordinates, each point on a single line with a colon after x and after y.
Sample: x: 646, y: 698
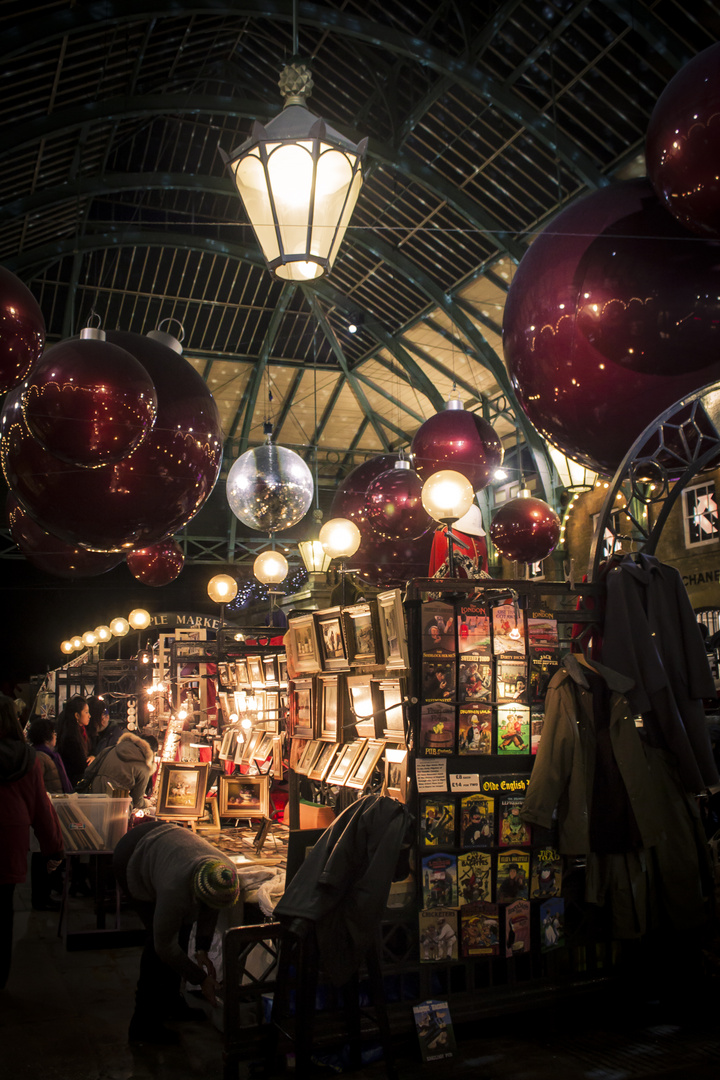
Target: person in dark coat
x: 73, y: 743
x: 101, y: 733
x: 42, y: 736
x: 23, y: 805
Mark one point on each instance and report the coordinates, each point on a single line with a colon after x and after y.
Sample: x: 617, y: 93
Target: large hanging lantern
x: 299, y: 180
x: 574, y: 476
x: 88, y: 401
x: 269, y: 488
x: 458, y: 440
x: 22, y: 330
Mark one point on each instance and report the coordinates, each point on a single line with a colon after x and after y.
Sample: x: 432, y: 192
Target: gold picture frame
x: 331, y: 707
x: 361, y: 628
x: 302, y: 708
x: 362, y: 769
x: 396, y: 772
x: 305, y: 643
x: 393, y: 629
x: 182, y: 789
x: 343, y: 764
x: 323, y: 761
x: 244, y: 796
x: 392, y: 694
x: 331, y: 639
x: 308, y: 757
x: 364, y: 706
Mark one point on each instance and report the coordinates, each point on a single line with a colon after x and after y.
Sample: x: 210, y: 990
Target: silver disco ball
x: 269, y: 488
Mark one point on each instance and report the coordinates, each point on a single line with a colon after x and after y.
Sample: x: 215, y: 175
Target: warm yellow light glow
x: 77, y: 642
x: 222, y: 588
x: 340, y: 538
x: 447, y: 495
x: 119, y: 626
x: 89, y: 639
x: 270, y: 567
x: 314, y: 556
x: 103, y: 633
x: 67, y: 647
x: 139, y: 618
x: 182, y: 713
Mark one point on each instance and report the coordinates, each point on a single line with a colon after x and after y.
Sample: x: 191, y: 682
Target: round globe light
x: 447, y: 495
x: 77, y: 642
x: 222, y: 588
x: 270, y: 567
x: 67, y: 647
x: 89, y: 639
x: 103, y: 633
x: 139, y: 618
x: 340, y: 538
x: 120, y: 627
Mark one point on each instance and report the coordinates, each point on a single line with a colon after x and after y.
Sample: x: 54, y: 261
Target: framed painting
x: 282, y: 669
x: 227, y: 744
x: 246, y: 752
x: 360, y: 623
x: 331, y: 707
x: 255, y: 670
x: 182, y: 788
x: 344, y: 762
x: 224, y: 675
x: 362, y: 770
x: 272, y: 705
x: 241, y: 673
x: 270, y: 669
x: 297, y: 749
x: 305, y: 643
x: 324, y: 760
x: 302, y: 701
x: 307, y: 758
x: 263, y: 750
x: 393, y: 629
x: 331, y: 640
x: 392, y: 695
x: 396, y: 773
x: 244, y: 796
x: 365, y: 705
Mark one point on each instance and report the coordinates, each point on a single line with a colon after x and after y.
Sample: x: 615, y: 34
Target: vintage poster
x: 473, y: 629
x: 537, y: 720
x: 517, y: 927
x: 437, y: 728
x: 508, y: 629
x: 513, y: 876
x: 512, y: 830
x: 477, y: 821
x: 438, y: 678
x: 474, y: 678
x: 546, y: 878
x: 480, y: 929
x: 511, y: 680
x: 435, y: 1030
x: 439, y: 880
x: 438, y: 628
x: 437, y: 821
x: 475, y: 729
x: 543, y: 666
x: 438, y: 934
x: 474, y: 877
x: 513, y: 729
x: 542, y: 631
x: 552, y: 924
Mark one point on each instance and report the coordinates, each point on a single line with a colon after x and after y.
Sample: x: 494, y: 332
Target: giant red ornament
x: 89, y: 402
x: 682, y: 148
x: 149, y: 494
x: 393, y: 504
x: 525, y: 530
x: 388, y: 564
x: 349, y: 498
x: 48, y: 553
x: 458, y: 440
x: 156, y: 565
x: 613, y: 315
x: 22, y: 330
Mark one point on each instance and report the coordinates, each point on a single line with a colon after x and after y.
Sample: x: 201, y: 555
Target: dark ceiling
x: 483, y: 120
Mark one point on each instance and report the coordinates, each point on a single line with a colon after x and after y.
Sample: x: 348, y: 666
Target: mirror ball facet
x: 269, y: 488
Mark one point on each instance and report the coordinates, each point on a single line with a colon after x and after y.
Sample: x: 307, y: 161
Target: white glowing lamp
x: 89, y: 639
x: 103, y: 633
x: 271, y: 567
x: 222, y: 588
x: 120, y: 627
x: 340, y: 538
x: 139, y: 619
x: 67, y: 647
x: 447, y: 495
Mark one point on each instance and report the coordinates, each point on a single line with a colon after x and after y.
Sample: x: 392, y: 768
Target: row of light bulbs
x: 138, y: 619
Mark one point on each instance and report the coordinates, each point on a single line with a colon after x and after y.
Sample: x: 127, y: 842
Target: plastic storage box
x: 91, y: 822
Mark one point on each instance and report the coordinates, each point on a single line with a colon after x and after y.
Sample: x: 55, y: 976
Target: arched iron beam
x: 288, y: 291
x: 26, y: 34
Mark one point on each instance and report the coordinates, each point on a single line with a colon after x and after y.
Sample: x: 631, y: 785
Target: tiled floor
x: 64, y: 1016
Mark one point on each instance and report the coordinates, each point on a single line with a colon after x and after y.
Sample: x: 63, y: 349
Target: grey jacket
x: 128, y: 765
x: 563, y: 772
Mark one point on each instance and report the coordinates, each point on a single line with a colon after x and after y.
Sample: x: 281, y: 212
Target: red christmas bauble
x: 349, y: 498
x: 613, y: 315
x: 388, y: 564
x: 682, y: 149
x: 156, y: 565
x: 393, y: 505
x: 458, y: 440
x: 143, y: 498
x: 89, y: 402
x: 22, y: 330
x: 48, y: 553
x: 525, y: 530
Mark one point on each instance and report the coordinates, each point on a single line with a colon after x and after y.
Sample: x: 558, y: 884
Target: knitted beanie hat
x: 216, y: 884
